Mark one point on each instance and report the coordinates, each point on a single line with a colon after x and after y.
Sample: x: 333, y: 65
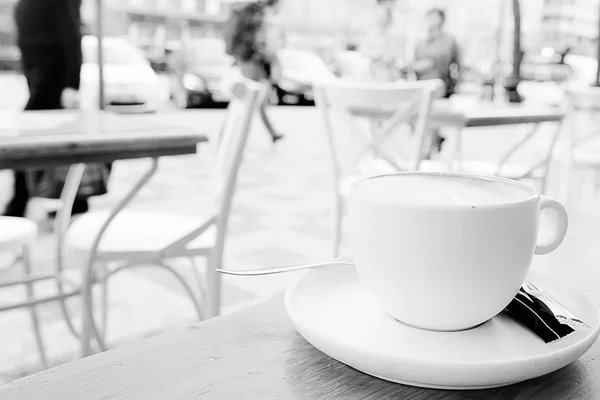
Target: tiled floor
x: 281, y: 216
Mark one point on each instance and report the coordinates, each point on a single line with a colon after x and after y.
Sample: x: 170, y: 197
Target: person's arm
x: 68, y: 23
x: 456, y: 57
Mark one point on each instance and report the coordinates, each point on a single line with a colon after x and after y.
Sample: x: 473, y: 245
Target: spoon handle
x: 288, y: 268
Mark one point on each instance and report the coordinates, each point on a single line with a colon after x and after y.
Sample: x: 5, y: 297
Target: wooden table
x: 49, y: 138
x: 256, y: 354
x: 38, y: 138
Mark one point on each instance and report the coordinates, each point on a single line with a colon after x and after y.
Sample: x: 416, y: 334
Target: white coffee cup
x: 446, y: 251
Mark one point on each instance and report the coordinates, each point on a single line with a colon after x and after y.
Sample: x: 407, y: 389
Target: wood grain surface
x: 43, y: 138
x: 256, y: 354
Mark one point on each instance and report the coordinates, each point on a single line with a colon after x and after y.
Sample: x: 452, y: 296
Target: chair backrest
x: 351, y: 65
x: 387, y: 107
x: 245, y: 95
x: 302, y: 66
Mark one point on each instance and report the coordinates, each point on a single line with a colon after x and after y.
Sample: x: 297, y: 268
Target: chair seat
x: 132, y: 233
x: 587, y: 155
x: 16, y: 231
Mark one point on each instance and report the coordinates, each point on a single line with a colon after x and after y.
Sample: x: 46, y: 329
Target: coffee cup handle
x: 562, y: 222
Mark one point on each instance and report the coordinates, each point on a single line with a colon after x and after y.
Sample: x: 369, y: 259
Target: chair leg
x: 88, y: 327
x: 103, y: 282
x: 338, y: 214
x: 213, y: 283
x: 35, y: 321
x: 199, y: 281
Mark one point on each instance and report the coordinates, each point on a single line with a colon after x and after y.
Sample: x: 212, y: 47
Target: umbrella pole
x: 100, y: 49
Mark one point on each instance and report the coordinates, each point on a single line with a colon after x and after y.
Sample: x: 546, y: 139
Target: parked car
x: 298, y: 71
x: 10, y: 58
x: 547, y: 65
x: 130, y: 83
x: 196, y: 72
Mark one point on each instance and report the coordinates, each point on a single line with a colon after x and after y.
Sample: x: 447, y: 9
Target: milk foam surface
x: 441, y: 190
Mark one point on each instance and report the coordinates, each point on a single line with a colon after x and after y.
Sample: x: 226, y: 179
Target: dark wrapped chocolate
x: 535, y: 314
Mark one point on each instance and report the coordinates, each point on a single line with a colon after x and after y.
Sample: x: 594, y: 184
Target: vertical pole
x: 99, y: 34
x: 597, y: 83
x: 496, y: 84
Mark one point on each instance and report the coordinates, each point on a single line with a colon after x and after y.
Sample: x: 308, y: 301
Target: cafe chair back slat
x: 388, y: 124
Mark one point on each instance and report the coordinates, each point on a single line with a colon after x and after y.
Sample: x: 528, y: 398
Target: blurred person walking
x: 246, y: 40
x: 49, y: 38
x: 437, y: 56
x: 383, y: 46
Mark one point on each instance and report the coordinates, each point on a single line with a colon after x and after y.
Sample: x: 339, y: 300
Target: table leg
x: 456, y: 160
x: 88, y: 324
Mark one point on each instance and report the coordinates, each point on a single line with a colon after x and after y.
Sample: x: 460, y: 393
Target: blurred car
x: 298, y: 71
x: 545, y: 66
x: 196, y: 72
x: 130, y: 84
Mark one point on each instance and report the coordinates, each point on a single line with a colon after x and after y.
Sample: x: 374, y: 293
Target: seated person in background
x: 438, y: 57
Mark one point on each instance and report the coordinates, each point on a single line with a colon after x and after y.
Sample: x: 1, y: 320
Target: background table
x: 461, y: 115
x: 468, y: 115
x: 41, y: 138
x: 35, y: 139
x: 449, y: 113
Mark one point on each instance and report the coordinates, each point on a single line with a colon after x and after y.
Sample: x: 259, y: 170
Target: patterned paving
x: 281, y: 215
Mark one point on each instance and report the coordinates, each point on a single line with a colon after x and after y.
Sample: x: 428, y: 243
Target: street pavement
x: 281, y: 215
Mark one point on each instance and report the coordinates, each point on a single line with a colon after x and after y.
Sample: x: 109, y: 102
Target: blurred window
x: 114, y: 53
x: 208, y: 51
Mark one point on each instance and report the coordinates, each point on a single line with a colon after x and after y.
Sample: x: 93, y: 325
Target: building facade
x: 571, y: 23
x: 7, y: 28
x: 153, y: 24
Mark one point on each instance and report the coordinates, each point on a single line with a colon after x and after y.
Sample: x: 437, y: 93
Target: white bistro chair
x: 16, y: 236
x: 134, y: 239
x: 376, y: 144
x: 583, y: 104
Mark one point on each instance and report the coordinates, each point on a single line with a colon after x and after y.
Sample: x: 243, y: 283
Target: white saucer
x: 330, y: 309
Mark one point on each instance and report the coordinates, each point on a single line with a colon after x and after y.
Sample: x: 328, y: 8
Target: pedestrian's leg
x: 18, y: 204
x: 265, y: 118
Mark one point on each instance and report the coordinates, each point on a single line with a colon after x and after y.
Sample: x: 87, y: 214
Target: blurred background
x: 558, y: 38
x: 163, y: 56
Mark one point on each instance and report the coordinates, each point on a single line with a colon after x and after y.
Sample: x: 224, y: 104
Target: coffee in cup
x: 446, y: 251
